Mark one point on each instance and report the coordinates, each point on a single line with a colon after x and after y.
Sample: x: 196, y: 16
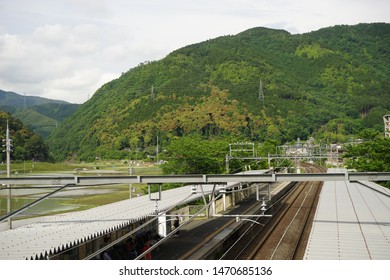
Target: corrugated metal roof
x: 59, y: 232
x: 63, y: 231
x: 352, y: 222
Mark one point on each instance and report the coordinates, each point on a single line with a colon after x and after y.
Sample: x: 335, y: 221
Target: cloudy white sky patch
x: 67, y: 49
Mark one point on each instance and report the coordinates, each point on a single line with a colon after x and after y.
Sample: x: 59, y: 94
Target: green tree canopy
x: 26, y: 144
x: 372, y: 155
x: 195, y: 155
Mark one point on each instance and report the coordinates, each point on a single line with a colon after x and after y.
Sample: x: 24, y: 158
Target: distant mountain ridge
x: 40, y: 114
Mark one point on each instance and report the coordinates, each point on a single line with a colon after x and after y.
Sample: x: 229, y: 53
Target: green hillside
x: 43, y: 118
x: 331, y: 84
x: 40, y: 114
x: 39, y: 123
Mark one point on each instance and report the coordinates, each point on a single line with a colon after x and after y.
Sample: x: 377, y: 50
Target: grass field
x: 29, y: 167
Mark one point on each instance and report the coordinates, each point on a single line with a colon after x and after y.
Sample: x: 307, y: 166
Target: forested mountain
x: 26, y: 145
x: 331, y: 84
x: 40, y: 114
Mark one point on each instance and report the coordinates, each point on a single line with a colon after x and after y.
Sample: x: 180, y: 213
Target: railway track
x: 284, y: 236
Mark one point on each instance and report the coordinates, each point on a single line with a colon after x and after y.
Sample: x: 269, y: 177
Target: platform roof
x: 352, y: 221
x: 59, y: 232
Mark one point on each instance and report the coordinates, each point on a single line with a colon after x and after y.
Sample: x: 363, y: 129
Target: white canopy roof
x: 58, y: 232
x: 352, y: 222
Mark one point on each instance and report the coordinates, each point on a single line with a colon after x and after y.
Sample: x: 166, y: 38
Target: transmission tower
x: 261, y: 92
x: 386, y: 120
x: 152, y: 93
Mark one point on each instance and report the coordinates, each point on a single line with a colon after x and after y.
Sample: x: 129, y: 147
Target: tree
x: 195, y: 155
x: 373, y: 155
x: 36, y: 148
x: 26, y: 144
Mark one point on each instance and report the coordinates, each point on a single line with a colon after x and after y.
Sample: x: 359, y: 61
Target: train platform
x: 199, y: 238
x: 202, y: 239
x: 352, y: 222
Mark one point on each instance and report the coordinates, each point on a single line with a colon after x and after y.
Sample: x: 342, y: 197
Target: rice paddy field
x: 76, y: 198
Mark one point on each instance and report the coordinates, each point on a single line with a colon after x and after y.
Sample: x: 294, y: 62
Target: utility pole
x: 157, y: 151
x: 8, y: 152
x: 131, y: 172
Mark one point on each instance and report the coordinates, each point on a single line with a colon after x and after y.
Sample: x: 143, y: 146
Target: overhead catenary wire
x: 176, y: 229
x: 127, y: 235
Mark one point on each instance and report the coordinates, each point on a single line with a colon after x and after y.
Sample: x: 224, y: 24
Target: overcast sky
x: 67, y: 49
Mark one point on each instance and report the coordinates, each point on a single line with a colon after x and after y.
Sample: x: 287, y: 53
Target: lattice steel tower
x: 386, y: 120
x: 261, y: 92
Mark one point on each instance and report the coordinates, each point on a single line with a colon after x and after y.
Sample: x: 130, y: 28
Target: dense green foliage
x: 372, y: 155
x: 26, y: 144
x: 329, y: 84
x: 195, y: 155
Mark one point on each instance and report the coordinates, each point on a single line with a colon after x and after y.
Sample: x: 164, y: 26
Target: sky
x: 67, y: 49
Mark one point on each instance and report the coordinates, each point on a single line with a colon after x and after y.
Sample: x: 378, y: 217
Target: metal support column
x: 224, y: 201
x: 233, y: 198
x: 205, y: 202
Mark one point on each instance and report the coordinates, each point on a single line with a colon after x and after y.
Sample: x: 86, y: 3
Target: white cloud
x: 67, y: 49
x: 60, y: 62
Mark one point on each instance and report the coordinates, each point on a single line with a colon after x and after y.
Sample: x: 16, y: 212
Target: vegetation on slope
x: 39, y: 114
x: 26, y: 144
x: 331, y: 84
x: 42, y: 119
